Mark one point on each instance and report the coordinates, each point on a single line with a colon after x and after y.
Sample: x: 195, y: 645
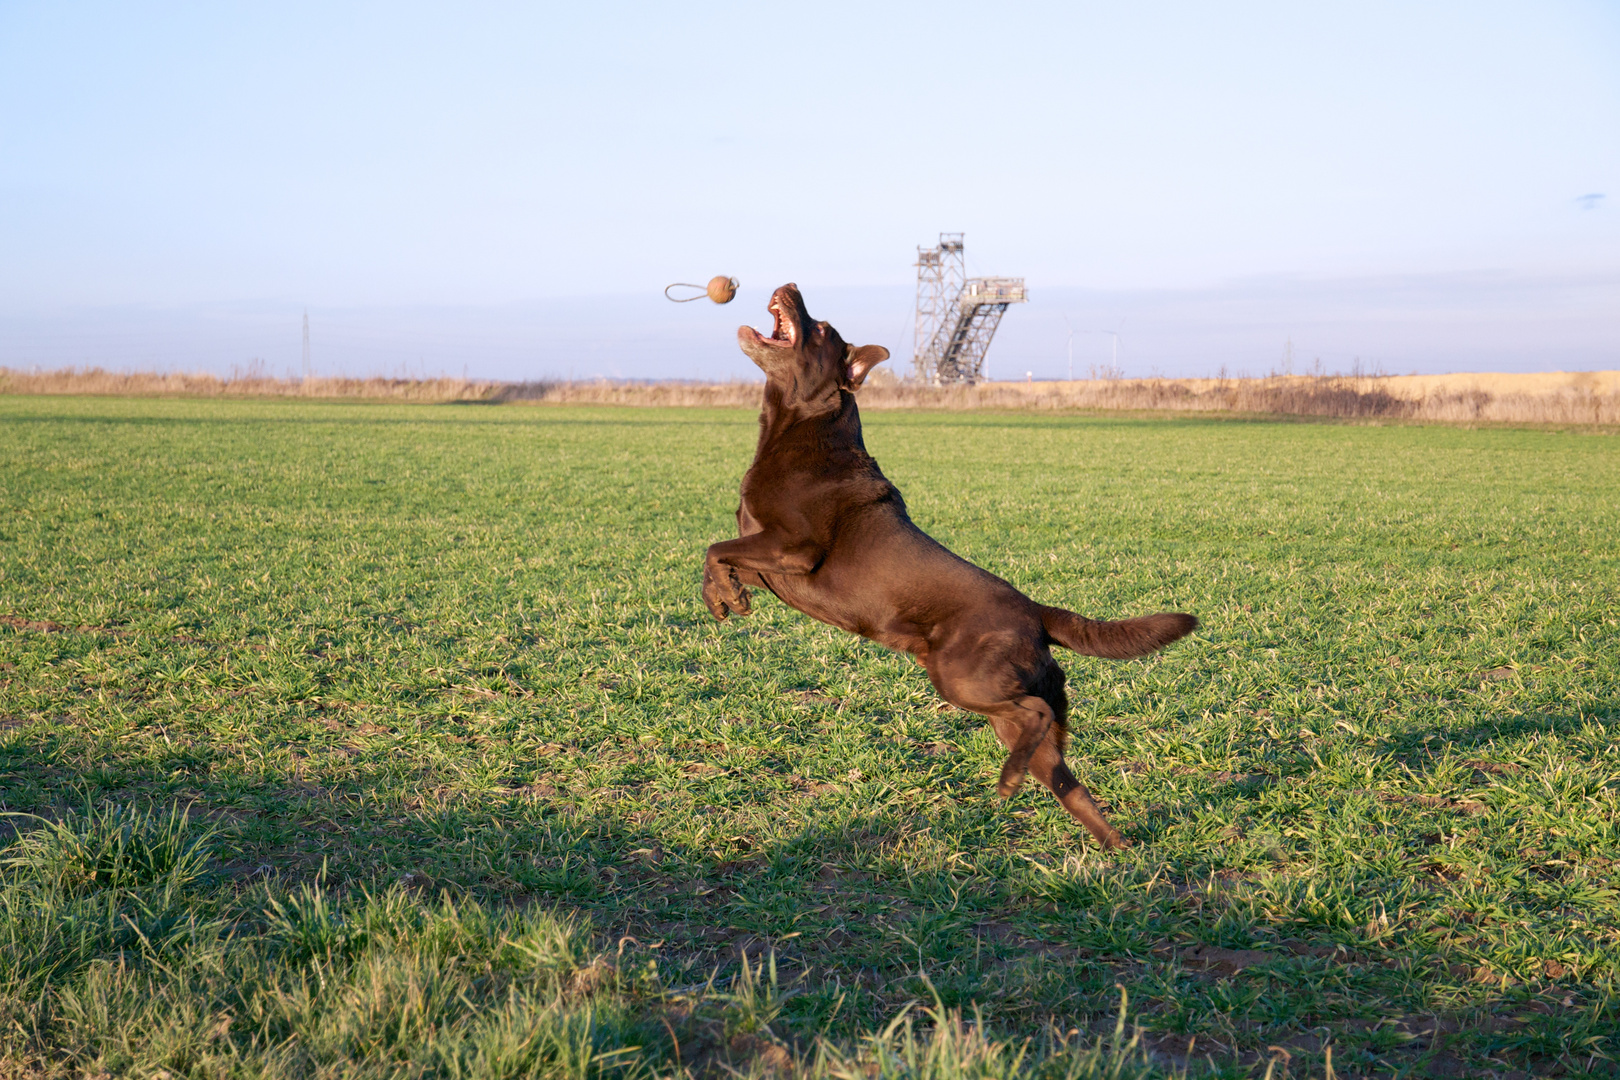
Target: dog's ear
x: 859, y: 361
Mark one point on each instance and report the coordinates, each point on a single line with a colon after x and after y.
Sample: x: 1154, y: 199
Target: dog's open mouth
x: 782, y: 327
x: 788, y: 323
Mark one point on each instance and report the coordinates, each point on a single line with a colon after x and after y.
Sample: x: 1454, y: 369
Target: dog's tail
x: 1121, y: 639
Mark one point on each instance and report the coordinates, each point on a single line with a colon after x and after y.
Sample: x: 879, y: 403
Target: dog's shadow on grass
x: 846, y: 892
x: 598, y: 851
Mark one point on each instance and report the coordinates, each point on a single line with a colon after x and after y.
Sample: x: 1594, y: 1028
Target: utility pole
x: 306, y: 345
x: 1070, y: 325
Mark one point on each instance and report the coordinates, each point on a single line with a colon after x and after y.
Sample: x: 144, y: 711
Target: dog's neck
x: 830, y: 417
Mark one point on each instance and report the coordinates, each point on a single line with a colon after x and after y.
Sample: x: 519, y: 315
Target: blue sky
x: 504, y: 188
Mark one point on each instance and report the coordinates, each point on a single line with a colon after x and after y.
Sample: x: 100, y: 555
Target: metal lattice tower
x: 941, y: 270
x: 930, y: 309
x: 956, y: 315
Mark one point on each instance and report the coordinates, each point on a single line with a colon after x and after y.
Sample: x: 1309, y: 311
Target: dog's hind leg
x: 1050, y: 769
x: 1002, y: 677
x: 1022, y: 726
x: 1033, y: 733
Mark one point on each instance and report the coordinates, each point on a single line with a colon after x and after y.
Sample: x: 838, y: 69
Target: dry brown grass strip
x: 99, y: 382
x: 1552, y: 397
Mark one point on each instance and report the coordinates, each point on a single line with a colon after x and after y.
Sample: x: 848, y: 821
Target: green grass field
x: 472, y: 785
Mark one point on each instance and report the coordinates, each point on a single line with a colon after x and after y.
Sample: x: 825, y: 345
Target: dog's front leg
x: 759, y: 553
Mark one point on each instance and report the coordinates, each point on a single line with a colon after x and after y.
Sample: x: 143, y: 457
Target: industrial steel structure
x: 956, y: 315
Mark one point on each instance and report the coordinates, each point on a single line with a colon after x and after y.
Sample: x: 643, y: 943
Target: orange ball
x: 721, y: 289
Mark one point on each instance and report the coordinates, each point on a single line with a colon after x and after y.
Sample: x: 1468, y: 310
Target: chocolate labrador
x: 822, y: 529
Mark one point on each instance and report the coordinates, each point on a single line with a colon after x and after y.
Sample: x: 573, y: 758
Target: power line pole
x: 306, y: 345
x: 1070, y: 325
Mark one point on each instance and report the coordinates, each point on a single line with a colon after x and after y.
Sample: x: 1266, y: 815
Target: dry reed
x: 98, y: 382
x: 1554, y: 397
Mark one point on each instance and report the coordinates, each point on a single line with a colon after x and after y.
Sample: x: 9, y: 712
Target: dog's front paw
x: 723, y: 594
x: 711, y: 599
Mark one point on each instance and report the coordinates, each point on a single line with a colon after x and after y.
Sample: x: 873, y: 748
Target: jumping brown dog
x: 821, y: 528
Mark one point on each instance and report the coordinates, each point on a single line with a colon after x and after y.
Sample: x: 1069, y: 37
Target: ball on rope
x: 721, y: 289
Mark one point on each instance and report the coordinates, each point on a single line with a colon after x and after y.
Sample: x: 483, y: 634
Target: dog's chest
x: 767, y: 498
x: 804, y: 489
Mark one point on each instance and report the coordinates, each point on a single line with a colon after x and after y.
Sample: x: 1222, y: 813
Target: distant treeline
x: 1557, y: 397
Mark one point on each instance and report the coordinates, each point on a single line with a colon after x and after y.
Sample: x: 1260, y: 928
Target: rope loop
x: 702, y: 292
